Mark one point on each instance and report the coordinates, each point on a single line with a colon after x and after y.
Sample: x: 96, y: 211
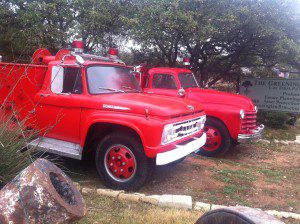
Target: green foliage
x: 289, y: 133
x: 232, y: 189
x: 275, y: 120
x: 28, y: 25
x: 221, y: 36
x: 12, y: 160
x: 99, y: 23
x: 234, y: 176
x: 274, y: 176
x: 157, y: 26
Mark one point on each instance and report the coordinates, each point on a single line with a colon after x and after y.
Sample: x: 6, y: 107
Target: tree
x: 99, y: 23
x: 221, y: 36
x: 35, y: 24
x: 53, y: 24
x: 156, y: 26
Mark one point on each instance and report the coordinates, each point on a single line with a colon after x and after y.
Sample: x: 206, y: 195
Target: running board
x: 58, y: 147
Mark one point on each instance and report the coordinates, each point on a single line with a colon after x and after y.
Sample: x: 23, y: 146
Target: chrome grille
x: 249, y: 122
x: 188, y: 127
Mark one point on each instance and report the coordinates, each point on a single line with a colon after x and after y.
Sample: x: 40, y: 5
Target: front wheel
x: 218, y: 138
x: 122, y: 163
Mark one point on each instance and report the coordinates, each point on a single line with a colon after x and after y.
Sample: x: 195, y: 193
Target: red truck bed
x: 18, y: 85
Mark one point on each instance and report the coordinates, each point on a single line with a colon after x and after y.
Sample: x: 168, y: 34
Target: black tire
x: 144, y: 165
x: 225, y: 136
x: 223, y: 216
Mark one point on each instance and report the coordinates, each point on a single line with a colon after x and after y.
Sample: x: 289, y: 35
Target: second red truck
x: 231, y: 118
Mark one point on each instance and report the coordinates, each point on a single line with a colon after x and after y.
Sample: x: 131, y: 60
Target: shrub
x: 12, y: 158
x: 275, y: 120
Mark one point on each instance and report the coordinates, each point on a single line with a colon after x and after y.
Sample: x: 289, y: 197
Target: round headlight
x: 242, y: 114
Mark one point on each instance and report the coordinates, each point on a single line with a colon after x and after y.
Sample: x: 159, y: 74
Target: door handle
x: 64, y: 94
x: 45, y: 95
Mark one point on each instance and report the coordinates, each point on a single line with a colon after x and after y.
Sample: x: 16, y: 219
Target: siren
x: 113, y: 52
x: 186, y: 61
x: 77, y: 46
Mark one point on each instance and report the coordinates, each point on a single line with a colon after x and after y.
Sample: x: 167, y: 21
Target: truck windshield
x: 187, y: 80
x: 111, y: 79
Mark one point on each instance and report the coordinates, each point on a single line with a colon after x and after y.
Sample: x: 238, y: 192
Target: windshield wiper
x: 130, y: 88
x: 112, y: 90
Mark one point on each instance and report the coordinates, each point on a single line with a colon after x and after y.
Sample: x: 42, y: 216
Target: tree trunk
x: 238, y: 82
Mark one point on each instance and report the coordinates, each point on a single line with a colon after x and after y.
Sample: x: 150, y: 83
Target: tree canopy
x: 220, y: 36
x: 53, y: 24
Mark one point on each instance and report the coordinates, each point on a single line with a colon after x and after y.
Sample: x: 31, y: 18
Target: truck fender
x: 230, y: 122
x: 107, y: 122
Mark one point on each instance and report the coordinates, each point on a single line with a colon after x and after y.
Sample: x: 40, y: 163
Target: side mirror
x: 79, y: 60
x: 181, y: 92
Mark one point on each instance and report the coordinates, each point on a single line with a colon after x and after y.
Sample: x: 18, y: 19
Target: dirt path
x: 253, y: 175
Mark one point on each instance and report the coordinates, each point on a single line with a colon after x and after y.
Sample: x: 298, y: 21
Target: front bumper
x: 180, y: 151
x: 256, y: 135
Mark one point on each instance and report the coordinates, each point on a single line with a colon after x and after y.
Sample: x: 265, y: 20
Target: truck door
x: 59, y: 109
x: 164, y: 84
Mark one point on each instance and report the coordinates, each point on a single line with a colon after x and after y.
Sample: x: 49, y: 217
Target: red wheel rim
x: 120, y: 163
x: 214, y: 138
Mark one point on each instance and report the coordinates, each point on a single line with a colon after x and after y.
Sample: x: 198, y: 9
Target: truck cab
x: 231, y: 118
x: 80, y: 103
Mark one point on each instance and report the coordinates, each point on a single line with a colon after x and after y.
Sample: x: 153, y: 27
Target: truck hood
x: 208, y: 96
x: 154, y: 105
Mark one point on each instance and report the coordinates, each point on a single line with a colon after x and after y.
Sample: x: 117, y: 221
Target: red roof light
x: 186, y: 61
x: 77, y: 44
x: 113, y: 51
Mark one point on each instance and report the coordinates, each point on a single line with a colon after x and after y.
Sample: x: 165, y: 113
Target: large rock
x: 41, y: 193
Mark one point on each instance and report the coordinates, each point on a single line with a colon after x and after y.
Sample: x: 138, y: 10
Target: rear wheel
x: 218, y: 138
x: 122, y: 163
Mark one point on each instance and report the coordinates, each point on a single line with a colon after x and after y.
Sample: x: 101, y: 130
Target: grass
x: 234, y: 189
x: 108, y: 210
x: 213, y: 199
x: 12, y: 140
x: 274, y: 176
x: 234, y: 176
x: 281, y: 134
x: 237, y: 182
x: 231, y: 189
x: 241, y: 201
x: 293, y: 203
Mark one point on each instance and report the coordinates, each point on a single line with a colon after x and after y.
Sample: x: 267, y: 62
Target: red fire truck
x: 231, y: 118
x: 80, y: 103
